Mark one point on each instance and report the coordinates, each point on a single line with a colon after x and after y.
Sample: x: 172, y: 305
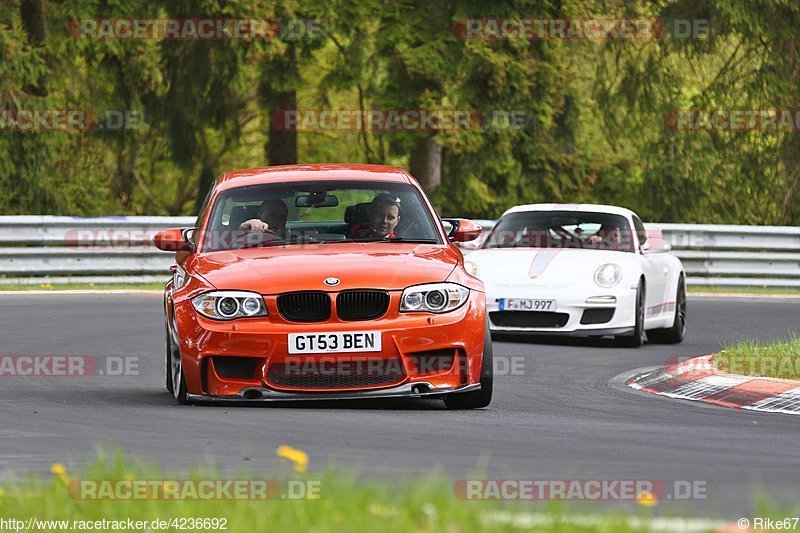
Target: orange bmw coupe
x: 319, y: 282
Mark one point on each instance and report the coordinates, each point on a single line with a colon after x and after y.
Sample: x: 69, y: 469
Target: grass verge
x: 749, y: 357
x: 712, y: 289
x: 344, y: 502
x: 79, y: 286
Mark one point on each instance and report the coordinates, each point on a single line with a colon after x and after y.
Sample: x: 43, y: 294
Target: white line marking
x: 705, y: 387
x: 86, y: 291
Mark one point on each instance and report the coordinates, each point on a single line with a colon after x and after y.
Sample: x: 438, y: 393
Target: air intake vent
x: 361, y: 305
x: 597, y: 316
x: 305, y: 306
x: 339, y: 375
x: 528, y: 319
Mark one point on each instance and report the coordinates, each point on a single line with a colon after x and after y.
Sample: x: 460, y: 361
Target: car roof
x: 592, y: 208
x: 333, y: 172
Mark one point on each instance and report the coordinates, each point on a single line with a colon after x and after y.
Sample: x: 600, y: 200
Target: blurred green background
x: 596, y: 111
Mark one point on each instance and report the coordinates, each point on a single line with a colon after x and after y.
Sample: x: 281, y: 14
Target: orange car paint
x: 271, y: 271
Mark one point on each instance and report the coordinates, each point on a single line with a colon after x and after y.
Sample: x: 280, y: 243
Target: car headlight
x: 471, y: 268
x: 608, y: 275
x: 227, y: 305
x: 433, y: 297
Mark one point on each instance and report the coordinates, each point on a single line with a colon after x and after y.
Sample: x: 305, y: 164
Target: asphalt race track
x: 564, y: 417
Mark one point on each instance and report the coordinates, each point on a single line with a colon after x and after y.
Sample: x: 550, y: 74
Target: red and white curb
x: 697, y: 379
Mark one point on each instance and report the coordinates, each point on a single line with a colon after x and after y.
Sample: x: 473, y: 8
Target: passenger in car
x: 608, y: 236
x: 271, y: 216
x: 384, y: 214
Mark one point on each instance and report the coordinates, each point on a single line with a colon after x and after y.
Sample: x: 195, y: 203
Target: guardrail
x: 732, y: 255
x: 47, y: 249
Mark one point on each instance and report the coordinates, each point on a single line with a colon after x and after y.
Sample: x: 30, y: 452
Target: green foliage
x: 776, y: 359
x: 596, y: 113
x: 317, y: 500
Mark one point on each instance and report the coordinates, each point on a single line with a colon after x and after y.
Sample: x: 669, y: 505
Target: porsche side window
x: 641, y: 232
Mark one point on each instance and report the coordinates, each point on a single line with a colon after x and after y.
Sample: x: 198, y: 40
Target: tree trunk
x: 426, y: 163
x: 206, y: 178
x: 282, y: 144
x: 279, y: 93
x: 32, y: 15
x: 33, y: 21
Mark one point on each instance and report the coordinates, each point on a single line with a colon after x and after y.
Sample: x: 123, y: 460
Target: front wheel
x: 176, y: 376
x: 168, y: 366
x: 637, y: 339
x: 483, y: 397
x: 677, y: 332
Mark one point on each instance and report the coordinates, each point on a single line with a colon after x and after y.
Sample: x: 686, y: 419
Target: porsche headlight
x: 608, y: 275
x: 434, y: 297
x: 227, y: 305
x: 471, y: 268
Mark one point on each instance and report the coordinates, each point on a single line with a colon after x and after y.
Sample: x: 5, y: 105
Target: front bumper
x: 572, y: 303
x: 260, y: 347
x: 420, y: 389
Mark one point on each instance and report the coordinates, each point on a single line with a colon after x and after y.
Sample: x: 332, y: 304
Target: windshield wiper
x: 262, y: 244
x: 403, y: 239
x: 390, y: 239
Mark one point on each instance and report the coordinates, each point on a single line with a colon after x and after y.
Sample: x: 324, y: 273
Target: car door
x: 655, y: 269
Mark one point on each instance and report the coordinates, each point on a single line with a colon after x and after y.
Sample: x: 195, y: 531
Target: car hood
x: 273, y: 270
x: 564, y: 267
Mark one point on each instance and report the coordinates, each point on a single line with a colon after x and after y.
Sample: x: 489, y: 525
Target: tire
x: 637, y: 338
x: 168, y: 367
x: 176, y: 375
x: 676, y: 333
x: 483, y: 397
x: 168, y: 357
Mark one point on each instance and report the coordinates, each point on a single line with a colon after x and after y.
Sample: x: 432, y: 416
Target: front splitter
x: 408, y: 390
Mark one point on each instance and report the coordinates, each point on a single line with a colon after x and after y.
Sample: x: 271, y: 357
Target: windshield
x: 318, y: 212
x: 562, y: 229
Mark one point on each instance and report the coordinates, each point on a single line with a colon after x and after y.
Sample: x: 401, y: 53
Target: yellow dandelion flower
x: 646, y: 499
x: 378, y: 510
x: 299, y: 458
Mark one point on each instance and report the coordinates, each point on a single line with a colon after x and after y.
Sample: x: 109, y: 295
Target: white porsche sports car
x: 580, y: 269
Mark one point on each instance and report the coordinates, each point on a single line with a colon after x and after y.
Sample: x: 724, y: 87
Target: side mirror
x: 471, y: 245
x: 462, y: 229
x: 174, y: 240
x: 655, y: 243
x: 656, y: 246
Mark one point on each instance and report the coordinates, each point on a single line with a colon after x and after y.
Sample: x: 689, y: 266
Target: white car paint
x: 567, y: 276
